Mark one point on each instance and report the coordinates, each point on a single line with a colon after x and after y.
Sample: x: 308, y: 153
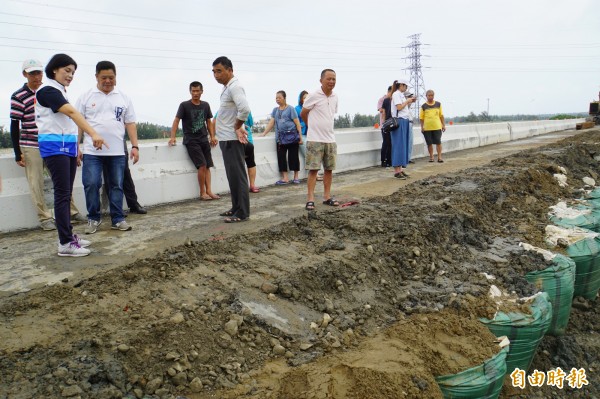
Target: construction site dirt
x: 372, y: 299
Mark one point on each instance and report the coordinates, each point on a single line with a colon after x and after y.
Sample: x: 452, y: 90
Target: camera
x: 409, y: 95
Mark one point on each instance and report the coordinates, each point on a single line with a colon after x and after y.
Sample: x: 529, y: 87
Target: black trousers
x: 386, y: 149
x: 287, y: 155
x: 235, y: 168
x: 62, y: 169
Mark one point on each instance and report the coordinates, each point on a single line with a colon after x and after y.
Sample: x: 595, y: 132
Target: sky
x: 508, y: 57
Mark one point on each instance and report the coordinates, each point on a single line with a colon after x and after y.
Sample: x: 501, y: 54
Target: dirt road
x: 369, y: 300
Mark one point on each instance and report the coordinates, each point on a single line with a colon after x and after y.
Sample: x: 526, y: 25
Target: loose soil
x: 367, y: 301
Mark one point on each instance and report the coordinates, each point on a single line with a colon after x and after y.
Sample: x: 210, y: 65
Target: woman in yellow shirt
x: 432, y: 125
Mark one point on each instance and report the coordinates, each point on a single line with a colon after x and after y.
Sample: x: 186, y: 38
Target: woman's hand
x: 98, y: 141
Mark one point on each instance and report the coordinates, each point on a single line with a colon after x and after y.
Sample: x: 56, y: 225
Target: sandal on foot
x: 440, y: 160
x: 310, y: 206
x: 281, y: 182
x: 254, y: 190
x: 234, y: 219
x: 331, y: 202
x: 431, y: 160
x: 400, y: 176
x: 296, y: 181
x: 226, y: 213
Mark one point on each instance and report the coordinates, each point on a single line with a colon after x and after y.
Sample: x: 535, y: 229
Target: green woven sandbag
x: 594, y: 194
x: 593, y: 198
x: 593, y: 202
x: 525, y: 331
x: 558, y: 281
x: 586, y: 255
x: 590, y: 220
x: 483, y: 381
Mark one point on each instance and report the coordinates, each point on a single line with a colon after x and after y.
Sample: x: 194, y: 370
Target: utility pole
x: 416, y: 76
x: 488, y: 107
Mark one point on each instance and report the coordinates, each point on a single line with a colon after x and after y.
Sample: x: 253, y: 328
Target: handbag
x: 286, y: 136
x: 389, y: 125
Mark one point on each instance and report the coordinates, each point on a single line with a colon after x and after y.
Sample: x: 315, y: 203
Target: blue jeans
x: 92, y: 182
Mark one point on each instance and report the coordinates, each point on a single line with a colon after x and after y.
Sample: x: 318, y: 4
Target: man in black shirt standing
x: 197, y: 126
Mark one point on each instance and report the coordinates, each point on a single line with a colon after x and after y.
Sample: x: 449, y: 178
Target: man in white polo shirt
x: 110, y: 112
x: 321, y: 148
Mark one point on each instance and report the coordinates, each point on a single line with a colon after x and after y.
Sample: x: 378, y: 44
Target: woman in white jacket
x: 57, y: 122
x: 400, y: 136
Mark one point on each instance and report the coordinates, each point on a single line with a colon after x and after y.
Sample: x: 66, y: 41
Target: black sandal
x: 226, y: 213
x: 331, y: 202
x: 310, y: 206
x: 234, y: 219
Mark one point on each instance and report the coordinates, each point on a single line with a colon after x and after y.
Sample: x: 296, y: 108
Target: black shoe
x: 138, y: 209
x: 411, y: 161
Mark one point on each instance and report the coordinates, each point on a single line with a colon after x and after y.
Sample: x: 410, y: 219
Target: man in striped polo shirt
x: 24, y: 135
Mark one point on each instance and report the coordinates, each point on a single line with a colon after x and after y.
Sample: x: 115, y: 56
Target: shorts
x: 199, y: 153
x: 320, y: 153
x: 433, y: 136
x: 249, y: 155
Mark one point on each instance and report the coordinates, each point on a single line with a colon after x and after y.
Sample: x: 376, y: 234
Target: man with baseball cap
x: 24, y: 135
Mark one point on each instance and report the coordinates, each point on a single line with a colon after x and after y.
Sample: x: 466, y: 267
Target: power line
x: 351, y: 42
x: 176, y: 32
x: 103, y: 33
x: 208, y: 60
x: 187, y: 51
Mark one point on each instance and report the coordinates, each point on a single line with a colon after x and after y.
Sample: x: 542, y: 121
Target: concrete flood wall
x: 165, y: 174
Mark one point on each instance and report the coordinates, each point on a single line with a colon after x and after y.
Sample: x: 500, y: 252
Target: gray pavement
x: 28, y: 258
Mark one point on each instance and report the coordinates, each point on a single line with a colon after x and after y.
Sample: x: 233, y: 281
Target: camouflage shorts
x: 320, y: 153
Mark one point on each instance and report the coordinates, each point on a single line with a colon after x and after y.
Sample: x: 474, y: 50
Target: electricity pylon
x: 416, y: 75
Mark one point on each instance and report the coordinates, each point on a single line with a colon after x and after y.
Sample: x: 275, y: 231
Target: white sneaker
x: 92, y: 226
x: 48, y: 225
x: 72, y: 249
x: 82, y: 243
x: 122, y: 225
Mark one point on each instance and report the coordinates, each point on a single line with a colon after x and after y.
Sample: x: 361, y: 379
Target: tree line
x: 484, y: 117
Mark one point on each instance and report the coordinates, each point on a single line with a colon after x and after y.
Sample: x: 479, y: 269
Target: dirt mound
x: 401, y: 362
x: 207, y: 316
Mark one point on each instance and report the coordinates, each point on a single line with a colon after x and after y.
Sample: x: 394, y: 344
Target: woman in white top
x: 57, y: 121
x: 400, y: 136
